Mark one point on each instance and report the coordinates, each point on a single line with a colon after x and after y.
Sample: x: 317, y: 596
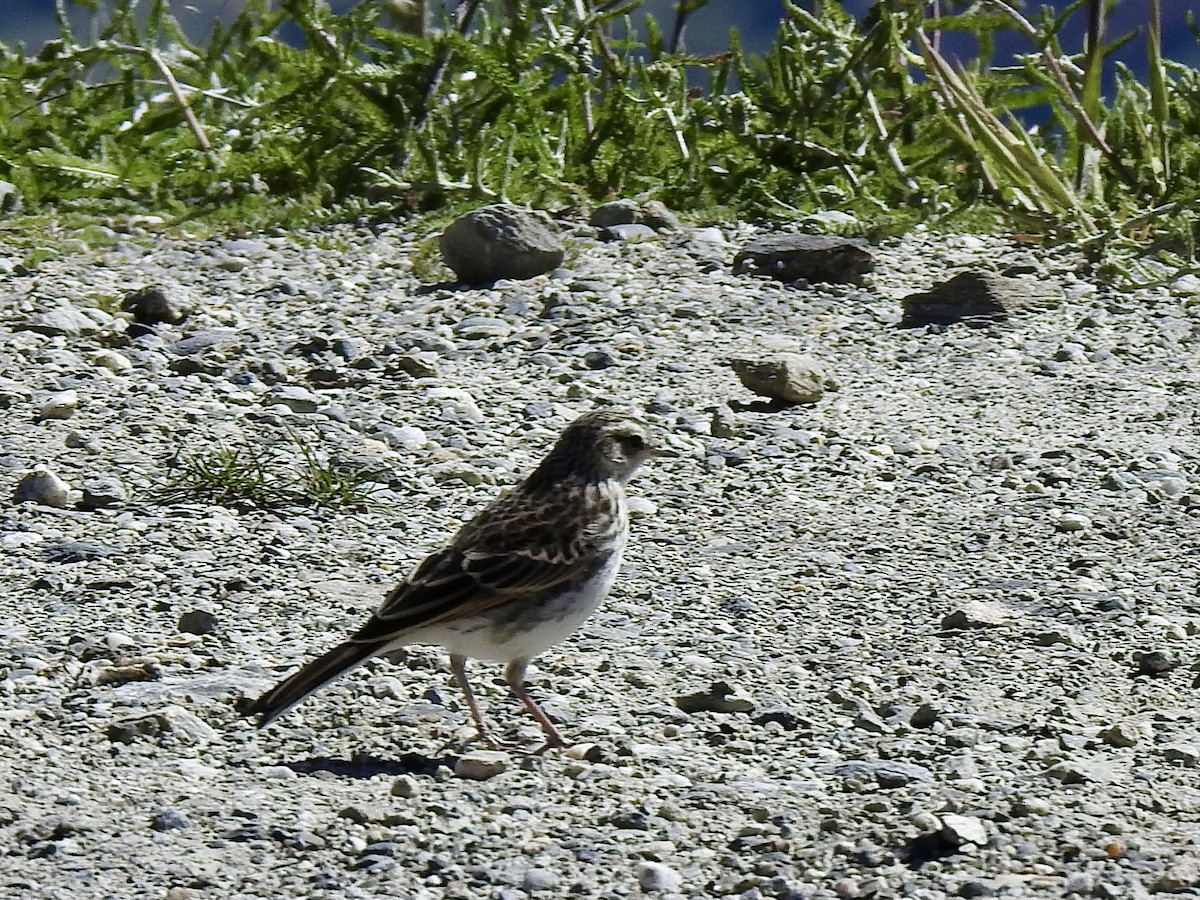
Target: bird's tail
x: 318, y: 673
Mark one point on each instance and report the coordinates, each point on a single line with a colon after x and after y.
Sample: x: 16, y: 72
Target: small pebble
x: 480, y: 765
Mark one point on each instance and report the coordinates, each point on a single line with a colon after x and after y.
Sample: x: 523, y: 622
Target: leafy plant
x: 565, y: 104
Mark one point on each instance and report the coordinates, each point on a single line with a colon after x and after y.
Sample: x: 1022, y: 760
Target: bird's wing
x: 504, y: 554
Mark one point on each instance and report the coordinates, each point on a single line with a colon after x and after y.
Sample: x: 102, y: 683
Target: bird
x: 519, y: 577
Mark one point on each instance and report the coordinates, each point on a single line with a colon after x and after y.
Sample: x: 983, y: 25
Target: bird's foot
x: 552, y: 743
x: 495, y: 743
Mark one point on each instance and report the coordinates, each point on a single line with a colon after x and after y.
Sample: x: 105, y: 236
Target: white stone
x: 60, y: 406
x: 111, y: 360
x: 960, y: 830
x: 653, y: 876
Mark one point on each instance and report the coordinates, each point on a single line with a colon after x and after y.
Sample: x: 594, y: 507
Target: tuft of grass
x: 224, y: 476
x: 264, y: 478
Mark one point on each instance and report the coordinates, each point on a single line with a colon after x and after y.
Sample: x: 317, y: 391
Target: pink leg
x: 458, y: 665
x: 515, y: 676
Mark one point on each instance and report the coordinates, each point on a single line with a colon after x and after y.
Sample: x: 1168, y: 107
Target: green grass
x: 257, y: 477
x: 560, y: 105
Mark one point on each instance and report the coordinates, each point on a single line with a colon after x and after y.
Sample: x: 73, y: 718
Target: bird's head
x: 604, y: 444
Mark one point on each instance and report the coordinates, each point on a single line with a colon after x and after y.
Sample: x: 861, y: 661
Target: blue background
x: 32, y: 22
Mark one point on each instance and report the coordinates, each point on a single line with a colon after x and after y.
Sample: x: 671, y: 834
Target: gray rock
x: 59, y: 406
x: 294, y: 397
x: 10, y: 198
x: 43, y: 487
x: 402, y: 437
x: 959, y: 830
x: 1180, y: 875
x: 1082, y: 771
x: 112, y: 360
x: 978, y: 614
x: 69, y: 551
x: 474, y: 328
x: 788, y: 378
x: 1070, y: 522
x: 655, y: 876
x: 64, y: 320
x: 247, y: 247
x: 977, y: 295
x: 169, y: 820
x: 102, y: 492
x: 480, y: 765
x: 656, y: 215
x: 630, y: 234
x: 615, y: 212
x: 888, y: 773
x: 201, y: 341
x: 538, y: 879
x: 501, y: 241
x: 405, y: 786
x: 158, y: 303
x: 813, y: 257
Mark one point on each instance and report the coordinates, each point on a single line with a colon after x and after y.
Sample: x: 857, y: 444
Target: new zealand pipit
x: 522, y: 575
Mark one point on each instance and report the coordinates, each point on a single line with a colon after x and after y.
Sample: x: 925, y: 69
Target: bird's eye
x: 632, y: 442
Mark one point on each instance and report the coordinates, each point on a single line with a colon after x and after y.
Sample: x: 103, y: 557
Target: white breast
x: 520, y: 630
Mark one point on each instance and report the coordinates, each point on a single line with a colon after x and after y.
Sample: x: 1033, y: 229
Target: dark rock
x: 975, y: 888
x: 169, y: 820
x: 813, y: 257
x: 129, y: 730
x: 612, y: 217
x: 720, y: 697
x: 157, y: 303
x: 197, y: 621
x: 630, y: 820
x: 977, y: 295
x: 598, y: 359
x: 414, y: 365
x: 102, y: 492
x: 1156, y: 662
x: 78, y: 551
x: 501, y: 241
x: 784, y: 717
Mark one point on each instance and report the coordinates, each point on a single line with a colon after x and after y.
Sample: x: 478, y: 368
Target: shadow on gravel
x: 364, y: 765
x: 455, y: 286
x: 925, y: 848
x: 763, y: 406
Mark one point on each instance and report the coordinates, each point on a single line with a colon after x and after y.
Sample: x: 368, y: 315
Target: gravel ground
x: 933, y: 636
